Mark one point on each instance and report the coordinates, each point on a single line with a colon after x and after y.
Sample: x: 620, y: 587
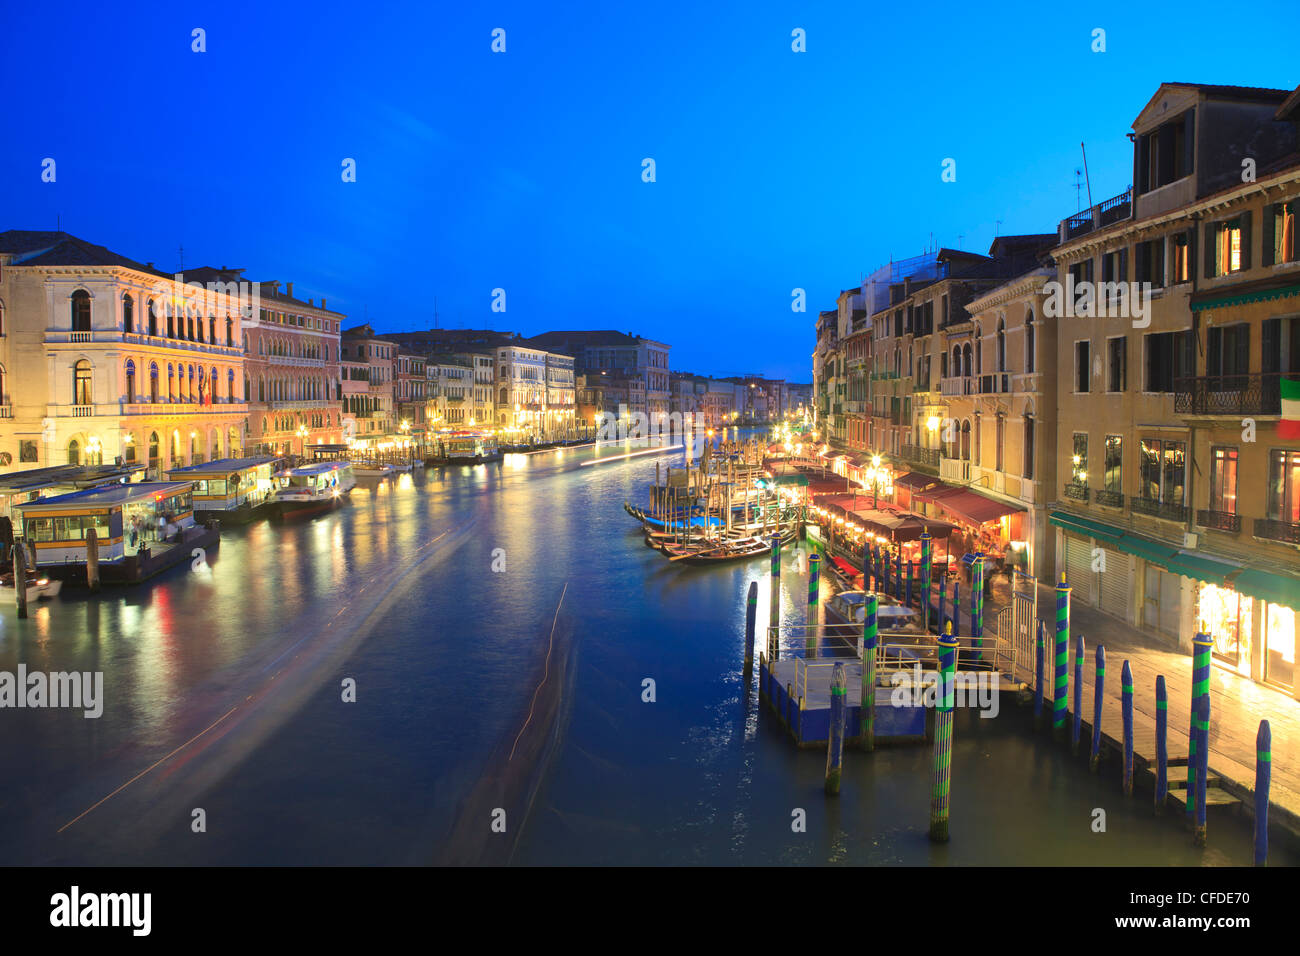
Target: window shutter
x: 1144, y: 161
x: 1189, y: 141
x: 1123, y: 265
x: 1267, y: 228
x: 1243, y: 349
x: 1245, y: 240
x: 1211, y: 248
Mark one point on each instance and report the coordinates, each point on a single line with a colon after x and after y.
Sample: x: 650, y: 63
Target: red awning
x: 916, y: 480
x: 975, y: 508
x: 936, y: 493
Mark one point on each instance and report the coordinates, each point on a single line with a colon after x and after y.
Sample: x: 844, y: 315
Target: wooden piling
x: 1038, y: 677
x: 1162, y: 744
x: 941, y: 776
x: 926, y: 560
x: 751, y: 615
x: 1062, y: 659
x: 814, y: 617
x: 774, y: 603
x: 20, y: 577
x: 839, y: 715
x: 1263, y: 778
x: 92, y: 559
x: 1076, y: 724
x: 867, y: 719
x: 956, y: 609
x: 1201, y: 647
x: 1202, y: 764
x: 907, y: 599
x: 943, y: 595
x: 1098, y: 692
x: 1126, y: 709
x: 977, y: 608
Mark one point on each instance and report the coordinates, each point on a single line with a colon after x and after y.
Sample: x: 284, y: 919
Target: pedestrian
x: 162, y: 527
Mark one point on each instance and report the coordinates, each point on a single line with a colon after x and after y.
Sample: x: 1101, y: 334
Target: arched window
x: 212, y: 328
x: 171, y: 322
x: 1028, y: 447
x: 153, y: 319
x: 74, y: 452
x: 81, y: 311
x: 230, y: 331
x: 247, y: 391
x: 81, y: 383
x: 154, y: 451
x: 261, y: 389
x: 128, y: 313
x: 230, y: 385
x: 1002, y: 346
x: 979, y: 351
x: 3, y: 400
x: 130, y: 382
x: 128, y: 448
x: 153, y: 381
x: 966, y: 359
x: 1029, y: 342
x: 965, y: 441
x: 213, y: 383
x: 171, y: 383
x: 189, y: 325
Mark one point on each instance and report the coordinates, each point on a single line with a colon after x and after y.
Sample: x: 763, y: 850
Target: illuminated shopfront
x: 1252, y: 637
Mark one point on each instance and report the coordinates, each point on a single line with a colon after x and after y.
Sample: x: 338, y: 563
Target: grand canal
x: 224, y: 694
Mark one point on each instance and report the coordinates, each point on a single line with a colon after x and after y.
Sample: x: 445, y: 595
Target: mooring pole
x: 1162, y: 744
x: 92, y: 559
x: 20, y: 577
x: 1098, y: 690
x: 1038, y: 677
x: 1079, y: 652
x: 1126, y: 710
x: 839, y: 714
x: 943, y: 595
x: 1203, y: 764
x: 942, y: 768
x: 907, y: 599
x: 774, y: 603
x: 1062, y: 658
x: 956, y: 609
x: 977, y: 608
x: 814, y: 617
x: 1263, y: 777
x: 751, y: 615
x: 926, y: 560
x: 1201, y: 646
x: 867, y: 719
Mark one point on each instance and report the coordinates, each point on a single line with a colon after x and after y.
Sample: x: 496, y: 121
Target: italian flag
x: 1289, y: 426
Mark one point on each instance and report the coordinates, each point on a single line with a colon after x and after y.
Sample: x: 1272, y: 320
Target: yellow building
x: 103, y: 358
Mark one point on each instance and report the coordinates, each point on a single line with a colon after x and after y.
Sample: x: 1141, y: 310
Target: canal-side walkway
x: 1237, y: 706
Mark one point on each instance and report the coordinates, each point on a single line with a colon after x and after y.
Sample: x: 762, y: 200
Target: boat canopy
x: 222, y: 467
x: 73, y: 476
x: 107, y: 497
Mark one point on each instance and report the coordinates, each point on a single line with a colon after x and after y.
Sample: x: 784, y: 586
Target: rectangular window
x: 1229, y: 248
x: 1149, y: 469
x: 1181, y: 254
x: 1227, y: 356
x: 1117, y: 364
x: 1081, y: 366
x: 1149, y: 263
x: 1283, y: 481
x: 1174, y: 474
x: 1079, y: 459
x: 1113, y: 478
x: 1223, y: 480
x: 1169, y: 360
x: 1279, y: 232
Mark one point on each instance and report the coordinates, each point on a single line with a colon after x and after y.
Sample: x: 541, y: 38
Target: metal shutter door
x: 1078, y: 568
x: 1116, y: 584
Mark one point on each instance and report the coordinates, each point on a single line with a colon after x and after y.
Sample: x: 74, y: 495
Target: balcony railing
x: 1276, y: 530
x: 1076, y: 492
x: 1258, y: 394
x: 957, y: 385
x: 922, y: 456
x: 6, y: 411
x: 998, y: 383
x: 1219, y: 520
x: 1158, y: 509
x: 1111, y: 499
x: 954, y: 469
x: 1103, y: 214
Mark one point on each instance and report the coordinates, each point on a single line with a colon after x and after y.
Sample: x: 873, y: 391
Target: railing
x: 996, y: 384
x: 1076, y: 492
x: 1158, y: 509
x: 957, y: 385
x: 1219, y: 520
x: 79, y: 337
x: 1111, y: 499
x: 6, y: 411
x: 1115, y: 208
x: 1078, y: 224
x: 182, y: 408
x: 1276, y: 530
x: 924, y: 456
x: 1258, y: 394
x: 954, y: 469
x: 83, y: 411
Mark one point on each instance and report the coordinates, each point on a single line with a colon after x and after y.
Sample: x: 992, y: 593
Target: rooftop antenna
x: 181, y: 250
x: 960, y: 237
x: 1078, y: 189
x: 997, y: 231
x: 1085, y: 174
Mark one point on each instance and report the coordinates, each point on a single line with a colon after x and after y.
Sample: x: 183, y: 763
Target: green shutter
x: 1268, y: 250
x: 1245, y: 240
x: 1211, y: 248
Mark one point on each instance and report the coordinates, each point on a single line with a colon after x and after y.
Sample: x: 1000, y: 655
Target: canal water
x: 226, y: 738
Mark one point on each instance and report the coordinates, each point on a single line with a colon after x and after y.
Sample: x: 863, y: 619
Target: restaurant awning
x: 934, y: 494
x: 1201, y: 567
x: 1086, y: 527
x: 915, y: 480
x: 975, y: 508
x: 1267, y: 586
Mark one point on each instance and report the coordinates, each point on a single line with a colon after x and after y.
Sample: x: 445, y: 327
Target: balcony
x: 1275, y: 530
x: 1112, y: 210
x: 999, y: 383
x: 1076, y: 492
x: 1259, y: 394
x: 954, y: 469
x: 957, y: 385
x: 1111, y: 499
x: 1219, y: 520
x: 178, y: 408
x: 922, y: 456
x: 989, y: 478
x: 6, y: 411
x: 1158, y: 509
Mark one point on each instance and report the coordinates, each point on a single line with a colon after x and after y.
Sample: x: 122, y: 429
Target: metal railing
x: 1076, y: 492
x: 1158, y: 509
x: 1276, y: 530
x: 1218, y: 520
x: 1259, y: 394
x: 1111, y: 499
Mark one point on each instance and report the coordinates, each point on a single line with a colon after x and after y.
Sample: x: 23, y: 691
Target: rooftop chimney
x: 322, y: 302
x: 290, y: 288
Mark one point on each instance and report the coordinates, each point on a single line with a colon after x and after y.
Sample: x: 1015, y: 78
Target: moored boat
x: 39, y: 587
x: 311, y: 489
x: 232, y: 490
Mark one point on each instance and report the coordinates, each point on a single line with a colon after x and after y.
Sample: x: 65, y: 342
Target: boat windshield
x: 300, y: 481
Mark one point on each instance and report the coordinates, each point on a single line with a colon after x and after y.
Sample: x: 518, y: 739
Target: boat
x: 726, y: 550
x: 373, y: 469
x: 231, y: 490
x: 141, y: 529
x: 468, y: 448
x: 311, y: 489
x: 39, y: 587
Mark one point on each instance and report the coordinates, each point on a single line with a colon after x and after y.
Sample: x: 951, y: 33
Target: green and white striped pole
x: 925, y: 580
x: 867, y: 719
x: 1076, y: 725
x: 774, y: 603
x: 1062, y: 672
x: 814, y: 608
x: 1201, y: 646
x: 942, y: 770
x: 1263, y: 780
x: 1098, y: 690
x: 977, y: 608
x: 1203, y: 763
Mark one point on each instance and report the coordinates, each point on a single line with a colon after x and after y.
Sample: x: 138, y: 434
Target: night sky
x: 523, y: 170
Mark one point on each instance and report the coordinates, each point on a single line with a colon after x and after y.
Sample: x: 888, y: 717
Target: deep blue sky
x: 523, y: 171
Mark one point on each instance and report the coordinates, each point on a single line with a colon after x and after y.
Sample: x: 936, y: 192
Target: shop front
x: 1253, y: 636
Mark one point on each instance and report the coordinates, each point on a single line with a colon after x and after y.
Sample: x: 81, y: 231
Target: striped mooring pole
x: 956, y: 609
x: 1062, y: 658
x: 977, y: 608
x: 751, y: 616
x: 814, y: 608
x: 943, y: 596
x: 839, y: 713
x: 1162, y: 744
x: 1038, y: 677
x: 866, y: 567
x: 867, y: 719
x: 907, y: 599
x: 1075, y: 726
x: 1126, y: 711
x: 925, y: 580
x: 1098, y: 690
x: 774, y: 603
x: 1201, y: 646
x: 1263, y: 777
x: 898, y: 573
x: 1202, y: 764
x: 942, y: 773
